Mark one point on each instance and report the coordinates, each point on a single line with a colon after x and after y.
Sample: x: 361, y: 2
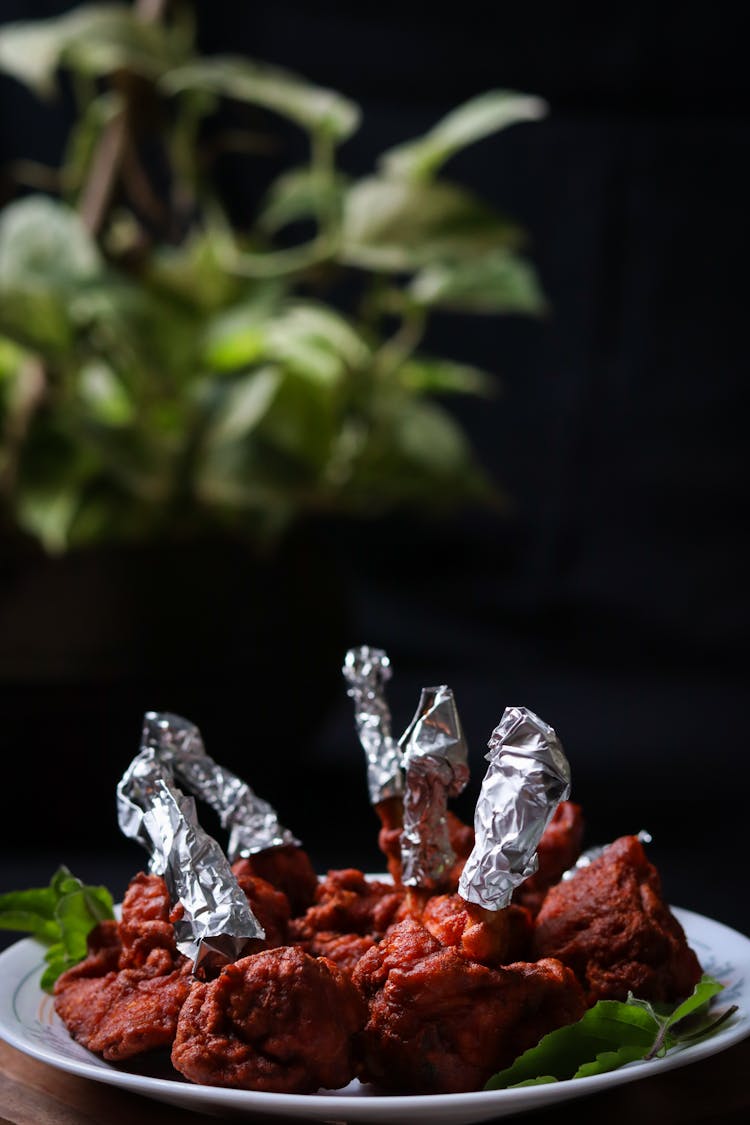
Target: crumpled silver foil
x: 367, y: 670
x: 252, y: 823
x: 586, y: 858
x: 526, y: 779
x: 217, y: 925
x: 436, y: 761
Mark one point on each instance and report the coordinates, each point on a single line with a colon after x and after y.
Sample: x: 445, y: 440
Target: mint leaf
x: 608, y: 1026
x: 61, y: 915
x: 609, y: 1060
x: 702, y: 994
x: 608, y: 1036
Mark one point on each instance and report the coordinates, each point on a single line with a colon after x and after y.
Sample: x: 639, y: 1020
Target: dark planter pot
x: 250, y: 649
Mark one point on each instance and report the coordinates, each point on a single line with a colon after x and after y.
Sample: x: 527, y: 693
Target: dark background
x: 612, y: 599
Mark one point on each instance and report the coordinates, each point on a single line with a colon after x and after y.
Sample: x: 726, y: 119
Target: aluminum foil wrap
x: 527, y: 777
x: 217, y: 925
x: 252, y: 823
x: 367, y: 670
x: 436, y: 761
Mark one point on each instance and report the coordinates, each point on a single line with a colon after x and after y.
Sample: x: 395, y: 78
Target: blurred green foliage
x: 163, y: 371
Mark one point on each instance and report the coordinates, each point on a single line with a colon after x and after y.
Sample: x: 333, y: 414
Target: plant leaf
x: 395, y: 225
x: 499, y: 281
x: 702, y: 994
x: 62, y: 915
x: 432, y: 375
x: 608, y: 1026
x: 609, y: 1035
x: 470, y: 122
x: 46, y: 256
x: 312, y: 107
x: 303, y: 193
x: 95, y: 38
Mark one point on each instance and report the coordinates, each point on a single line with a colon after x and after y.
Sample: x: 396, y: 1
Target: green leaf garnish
x: 61, y: 915
x: 611, y: 1034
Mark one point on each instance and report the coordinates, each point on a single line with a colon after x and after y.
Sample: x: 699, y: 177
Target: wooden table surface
x: 712, y: 1092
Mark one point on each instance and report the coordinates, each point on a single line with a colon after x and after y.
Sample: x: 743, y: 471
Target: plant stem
x: 32, y: 389
x: 404, y: 342
x: 106, y: 164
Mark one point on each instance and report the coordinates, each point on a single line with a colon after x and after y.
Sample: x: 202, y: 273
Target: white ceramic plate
x: 28, y: 1022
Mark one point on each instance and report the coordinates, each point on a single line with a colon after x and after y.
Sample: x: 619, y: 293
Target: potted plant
x: 173, y: 374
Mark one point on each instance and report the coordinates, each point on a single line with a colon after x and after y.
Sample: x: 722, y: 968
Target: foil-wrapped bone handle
x: 527, y: 777
x: 216, y: 925
x: 367, y: 670
x: 436, y: 762
x: 253, y: 824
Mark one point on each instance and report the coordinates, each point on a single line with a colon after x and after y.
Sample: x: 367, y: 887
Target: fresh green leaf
x: 395, y: 225
x: 235, y: 341
x: 498, y: 281
x: 95, y: 38
x: 103, y: 394
x: 310, y: 339
x: 476, y: 119
x: 429, y: 375
x: 608, y: 1026
x: 609, y: 1035
x: 312, y: 107
x: 46, y: 256
x: 56, y: 963
x: 700, y: 998
x: 243, y: 405
x: 303, y: 193
x: 608, y: 1060
x: 27, y: 920
x: 61, y: 915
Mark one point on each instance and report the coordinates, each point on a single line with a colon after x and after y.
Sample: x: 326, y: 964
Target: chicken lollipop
x: 527, y: 778
x: 392, y: 790
x: 350, y: 914
x: 259, y: 845
x: 367, y: 670
x: 610, y: 924
x: 279, y: 1021
x: 439, y: 1020
x: 125, y: 997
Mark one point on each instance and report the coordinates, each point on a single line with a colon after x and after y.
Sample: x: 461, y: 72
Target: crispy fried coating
x: 344, y: 950
x: 288, y: 869
x: 439, y: 1023
x: 270, y: 906
x: 559, y: 848
x: 278, y: 1021
x: 124, y: 998
x: 492, y: 937
x: 346, y: 902
x: 611, y: 925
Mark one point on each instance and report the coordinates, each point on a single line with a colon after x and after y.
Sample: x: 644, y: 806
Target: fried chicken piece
x: 347, y: 902
x: 270, y: 906
x: 492, y: 937
x: 287, y: 868
x: 124, y: 998
x: 559, y: 848
x: 610, y: 924
x: 278, y: 1021
x: 439, y: 1023
x: 344, y: 950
